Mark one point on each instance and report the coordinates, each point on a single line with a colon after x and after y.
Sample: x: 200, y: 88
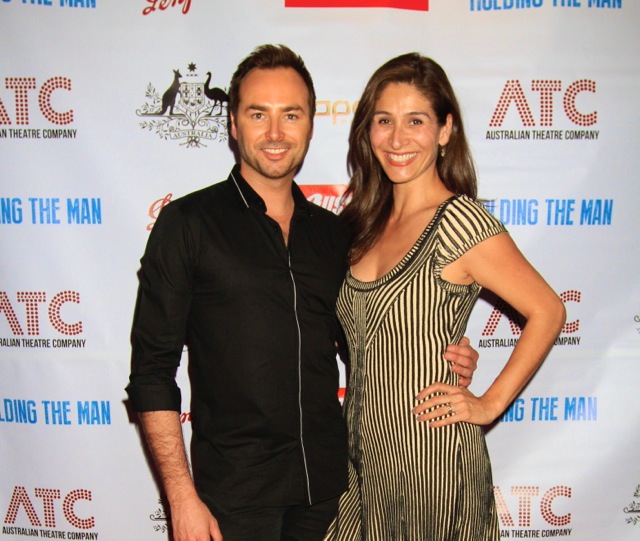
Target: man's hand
x: 463, y: 359
x: 190, y: 518
x: 192, y: 521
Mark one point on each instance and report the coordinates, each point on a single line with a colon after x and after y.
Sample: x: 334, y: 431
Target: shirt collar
x: 250, y: 198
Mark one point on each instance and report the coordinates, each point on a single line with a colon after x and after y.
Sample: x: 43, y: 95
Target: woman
x: 422, y: 250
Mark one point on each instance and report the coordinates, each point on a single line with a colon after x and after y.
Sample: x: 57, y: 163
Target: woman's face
x: 405, y: 134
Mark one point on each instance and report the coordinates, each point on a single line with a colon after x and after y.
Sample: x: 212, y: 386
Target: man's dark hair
x: 270, y: 57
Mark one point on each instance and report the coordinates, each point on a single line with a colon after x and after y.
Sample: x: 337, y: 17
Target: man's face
x: 272, y: 127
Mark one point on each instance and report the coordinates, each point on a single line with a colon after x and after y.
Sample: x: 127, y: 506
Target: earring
x: 442, y: 152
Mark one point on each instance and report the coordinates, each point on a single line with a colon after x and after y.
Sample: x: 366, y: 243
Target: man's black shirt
x: 258, y: 318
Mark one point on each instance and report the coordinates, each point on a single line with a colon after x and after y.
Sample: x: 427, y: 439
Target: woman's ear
x: 445, y: 131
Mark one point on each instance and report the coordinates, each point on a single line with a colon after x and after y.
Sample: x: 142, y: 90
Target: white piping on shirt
x: 239, y: 190
x: 295, y: 311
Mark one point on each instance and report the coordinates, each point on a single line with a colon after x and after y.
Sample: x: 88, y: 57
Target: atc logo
x: 513, y: 93
x: 48, y: 510
x: 548, y: 509
x: 58, y: 315
x: 416, y: 5
x: 191, y: 111
x: 18, y: 112
x: 516, y: 323
x: 577, y: 107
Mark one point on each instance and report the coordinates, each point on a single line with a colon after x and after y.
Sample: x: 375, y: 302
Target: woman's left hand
x: 450, y: 404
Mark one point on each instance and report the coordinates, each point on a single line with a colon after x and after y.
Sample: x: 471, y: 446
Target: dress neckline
x: 355, y: 283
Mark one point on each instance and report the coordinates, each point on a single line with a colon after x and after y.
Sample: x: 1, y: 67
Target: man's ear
x: 232, y: 125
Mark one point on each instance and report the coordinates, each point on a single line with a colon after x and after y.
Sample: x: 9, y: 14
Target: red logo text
x: 526, y: 496
x: 49, y: 496
x: 513, y: 93
x: 32, y: 301
x: 22, y: 87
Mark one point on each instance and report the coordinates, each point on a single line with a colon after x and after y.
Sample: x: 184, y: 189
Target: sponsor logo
x: 59, y: 3
x: 160, y: 518
x: 633, y: 509
x: 328, y: 196
x: 502, y: 310
x: 500, y: 5
x: 579, y: 117
x: 19, y: 124
x: 339, y: 111
x: 162, y: 5
x: 417, y: 5
x: 59, y: 318
x: 552, y: 212
x: 532, y: 504
x: 43, y: 509
x: 156, y: 207
x: 190, y: 110
x: 51, y: 210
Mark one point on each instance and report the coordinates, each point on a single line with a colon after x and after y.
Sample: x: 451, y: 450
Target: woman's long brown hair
x: 370, y: 191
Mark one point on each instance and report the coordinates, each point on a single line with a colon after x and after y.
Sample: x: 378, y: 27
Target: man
x: 247, y: 272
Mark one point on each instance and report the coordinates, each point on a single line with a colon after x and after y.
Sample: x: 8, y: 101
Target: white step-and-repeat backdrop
x: 89, y: 156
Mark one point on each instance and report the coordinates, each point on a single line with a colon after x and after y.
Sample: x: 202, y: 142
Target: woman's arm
x: 497, y: 264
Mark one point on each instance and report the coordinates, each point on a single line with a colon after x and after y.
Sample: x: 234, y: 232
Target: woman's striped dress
x: 410, y: 482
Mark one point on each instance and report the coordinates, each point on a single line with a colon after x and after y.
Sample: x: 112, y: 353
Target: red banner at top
x: 418, y: 5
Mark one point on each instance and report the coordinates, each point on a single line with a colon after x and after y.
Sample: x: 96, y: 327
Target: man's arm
x: 190, y: 518
x: 463, y: 359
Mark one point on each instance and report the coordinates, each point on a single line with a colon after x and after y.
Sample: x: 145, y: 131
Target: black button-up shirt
x: 258, y: 318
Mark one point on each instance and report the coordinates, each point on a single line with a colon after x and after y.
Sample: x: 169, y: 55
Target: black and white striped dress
x: 409, y: 482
